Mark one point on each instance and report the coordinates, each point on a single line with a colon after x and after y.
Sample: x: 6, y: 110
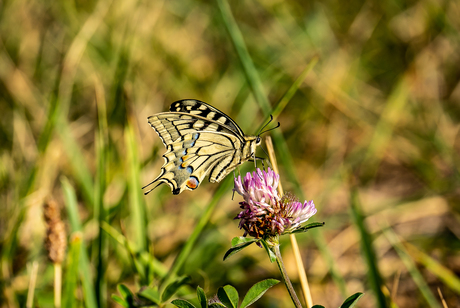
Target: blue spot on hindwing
x: 195, y: 137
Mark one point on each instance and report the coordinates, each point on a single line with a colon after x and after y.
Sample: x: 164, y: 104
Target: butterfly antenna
x: 270, y: 129
x: 271, y: 119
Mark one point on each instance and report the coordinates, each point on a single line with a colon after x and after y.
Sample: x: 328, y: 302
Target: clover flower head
x: 264, y: 213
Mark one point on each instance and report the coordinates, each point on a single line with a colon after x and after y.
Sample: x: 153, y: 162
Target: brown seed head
x: 56, y: 238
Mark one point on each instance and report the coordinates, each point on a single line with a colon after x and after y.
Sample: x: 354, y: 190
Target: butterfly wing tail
x: 178, y: 170
x: 158, y: 181
x: 147, y: 192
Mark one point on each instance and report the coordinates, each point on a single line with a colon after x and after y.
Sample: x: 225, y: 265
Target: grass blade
x: 249, y: 69
x: 293, y: 89
x: 443, y: 273
x: 100, y: 213
x: 85, y: 273
x: 412, y: 268
x: 73, y: 259
x: 367, y: 247
x: 136, y: 198
x: 79, y: 165
x: 384, y: 128
x: 100, y: 210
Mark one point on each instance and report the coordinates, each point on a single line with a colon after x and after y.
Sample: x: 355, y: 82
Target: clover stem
x: 287, y: 281
x: 295, y: 247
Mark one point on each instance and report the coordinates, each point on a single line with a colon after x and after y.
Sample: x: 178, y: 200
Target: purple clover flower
x: 264, y: 213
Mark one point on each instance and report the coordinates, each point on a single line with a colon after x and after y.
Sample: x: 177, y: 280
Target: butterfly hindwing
x: 191, y: 158
x: 200, y: 140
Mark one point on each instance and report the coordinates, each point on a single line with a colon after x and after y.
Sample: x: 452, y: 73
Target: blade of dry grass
x: 411, y: 267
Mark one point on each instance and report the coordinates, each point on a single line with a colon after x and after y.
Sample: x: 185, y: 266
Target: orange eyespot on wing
x: 192, y: 182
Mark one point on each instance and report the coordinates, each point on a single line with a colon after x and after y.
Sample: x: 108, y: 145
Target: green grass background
x: 368, y: 97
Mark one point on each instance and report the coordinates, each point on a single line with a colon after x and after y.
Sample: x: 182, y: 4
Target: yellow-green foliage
x: 370, y: 132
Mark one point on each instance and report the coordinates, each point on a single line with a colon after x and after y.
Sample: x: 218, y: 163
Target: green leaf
x: 309, y: 226
x: 120, y: 301
x: 201, y: 297
x: 228, y: 295
x: 216, y: 305
x: 270, y: 253
x: 150, y: 294
x: 241, y: 239
x: 257, y: 290
x: 182, y: 304
x: 173, y: 287
x: 237, y: 248
x: 352, y: 300
x: 125, y: 292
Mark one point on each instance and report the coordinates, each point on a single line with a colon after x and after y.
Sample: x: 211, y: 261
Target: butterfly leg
x: 263, y: 161
x: 263, y: 165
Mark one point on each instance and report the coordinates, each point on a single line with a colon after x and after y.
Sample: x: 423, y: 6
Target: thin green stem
x: 202, y: 222
x: 287, y: 281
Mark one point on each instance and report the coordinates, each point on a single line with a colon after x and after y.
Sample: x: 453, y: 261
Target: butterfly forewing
x: 171, y: 126
x: 204, y: 110
x: 200, y: 140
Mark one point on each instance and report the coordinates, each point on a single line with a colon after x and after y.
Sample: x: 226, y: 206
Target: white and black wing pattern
x: 200, y: 140
x: 204, y: 110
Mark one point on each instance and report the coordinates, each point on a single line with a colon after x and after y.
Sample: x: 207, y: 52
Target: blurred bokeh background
x: 371, y: 134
